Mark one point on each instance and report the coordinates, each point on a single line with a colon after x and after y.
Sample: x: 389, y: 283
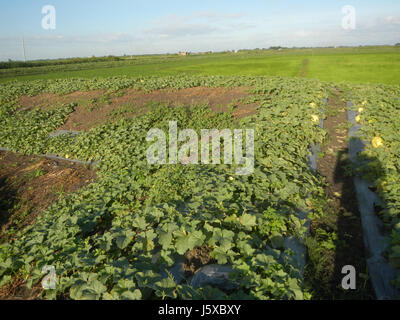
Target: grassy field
x: 353, y: 65
x: 113, y: 226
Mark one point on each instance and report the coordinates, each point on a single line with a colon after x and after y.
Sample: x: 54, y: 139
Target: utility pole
x: 23, y: 49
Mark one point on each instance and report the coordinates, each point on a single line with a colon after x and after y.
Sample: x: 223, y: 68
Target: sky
x: 116, y: 27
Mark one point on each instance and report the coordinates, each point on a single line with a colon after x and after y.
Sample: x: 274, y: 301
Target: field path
x: 341, y: 217
x: 304, y: 68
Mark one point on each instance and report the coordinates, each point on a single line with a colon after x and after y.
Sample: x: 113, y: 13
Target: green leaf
x: 221, y: 255
x: 223, y: 237
x: 165, y: 239
x: 248, y: 220
x: 264, y: 260
x: 188, y: 242
x: 245, y: 248
x: 129, y: 295
x: 277, y: 241
x: 123, y: 241
x: 97, y: 287
x: 5, y: 280
x: 165, y: 288
x: 140, y: 223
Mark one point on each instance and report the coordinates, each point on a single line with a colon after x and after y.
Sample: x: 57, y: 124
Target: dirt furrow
x: 336, y: 237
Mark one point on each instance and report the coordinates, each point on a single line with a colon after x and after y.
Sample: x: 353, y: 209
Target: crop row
x: 116, y: 238
x: 378, y: 110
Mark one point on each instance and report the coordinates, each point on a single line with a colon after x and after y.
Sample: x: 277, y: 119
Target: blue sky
x: 102, y: 27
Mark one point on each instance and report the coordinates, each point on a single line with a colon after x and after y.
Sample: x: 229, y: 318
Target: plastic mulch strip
x: 375, y: 242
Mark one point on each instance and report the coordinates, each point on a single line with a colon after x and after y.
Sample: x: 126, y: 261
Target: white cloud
x: 215, y: 17
x: 195, y: 24
x: 301, y: 33
x: 181, y: 29
x: 393, y: 20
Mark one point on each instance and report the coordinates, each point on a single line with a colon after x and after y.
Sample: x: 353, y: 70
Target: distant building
x: 183, y: 53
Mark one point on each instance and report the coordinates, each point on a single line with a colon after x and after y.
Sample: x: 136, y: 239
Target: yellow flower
x: 315, y: 118
x: 364, y: 103
x: 360, y: 110
x: 358, y: 119
x: 377, y: 142
x: 313, y: 104
x: 67, y: 156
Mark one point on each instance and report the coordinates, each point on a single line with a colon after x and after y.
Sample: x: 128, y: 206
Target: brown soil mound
x: 196, y: 259
x: 97, y: 107
x: 30, y: 184
x: 50, y: 100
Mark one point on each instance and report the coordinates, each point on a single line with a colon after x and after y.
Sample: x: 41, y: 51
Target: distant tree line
x: 39, y: 63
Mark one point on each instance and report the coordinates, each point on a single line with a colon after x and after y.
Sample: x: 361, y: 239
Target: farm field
x: 130, y: 230
x: 353, y: 65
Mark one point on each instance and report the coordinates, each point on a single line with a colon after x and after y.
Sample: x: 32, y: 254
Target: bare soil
x: 48, y: 101
x: 196, y: 259
x: 96, y: 107
x: 30, y: 184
